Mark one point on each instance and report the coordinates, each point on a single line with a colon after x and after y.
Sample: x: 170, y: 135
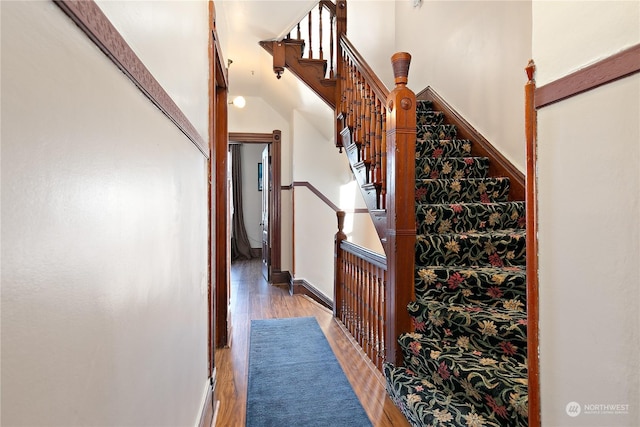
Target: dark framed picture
x: 259, y: 176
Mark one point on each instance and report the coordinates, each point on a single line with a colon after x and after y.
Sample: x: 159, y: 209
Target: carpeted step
x: 471, y: 285
x: 467, y: 190
x: 459, y: 369
x: 452, y: 167
x: 442, y: 148
x: 422, y: 105
x: 424, y: 404
x: 494, y: 332
x: 424, y: 355
x: 439, y: 131
x: 464, y: 217
x: 495, y: 248
x: 429, y: 117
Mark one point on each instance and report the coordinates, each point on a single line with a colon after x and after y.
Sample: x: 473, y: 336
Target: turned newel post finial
x: 400, y: 62
x: 530, y: 69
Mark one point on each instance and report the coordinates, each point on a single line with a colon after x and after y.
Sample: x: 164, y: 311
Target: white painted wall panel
x: 589, y: 204
x: 104, y: 238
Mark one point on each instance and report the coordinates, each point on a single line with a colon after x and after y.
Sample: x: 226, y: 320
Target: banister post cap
x: 400, y: 62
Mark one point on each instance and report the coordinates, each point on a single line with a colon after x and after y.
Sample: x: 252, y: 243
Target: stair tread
x: 465, y: 217
x: 494, y: 331
x: 452, y: 167
x: 445, y: 190
x: 496, y: 248
x: 425, y: 403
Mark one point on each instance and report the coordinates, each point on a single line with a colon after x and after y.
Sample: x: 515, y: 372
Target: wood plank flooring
x: 253, y: 298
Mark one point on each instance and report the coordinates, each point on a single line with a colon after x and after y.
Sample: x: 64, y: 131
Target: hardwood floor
x: 253, y: 298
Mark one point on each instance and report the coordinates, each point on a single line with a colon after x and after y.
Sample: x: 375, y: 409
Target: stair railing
x: 382, y: 127
x: 377, y: 127
x: 362, y: 117
x: 359, y: 294
x: 321, y: 26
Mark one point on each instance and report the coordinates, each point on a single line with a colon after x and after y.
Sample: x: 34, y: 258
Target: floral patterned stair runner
x: 466, y: 362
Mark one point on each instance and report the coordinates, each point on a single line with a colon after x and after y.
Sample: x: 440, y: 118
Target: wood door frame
x: 273, y: 140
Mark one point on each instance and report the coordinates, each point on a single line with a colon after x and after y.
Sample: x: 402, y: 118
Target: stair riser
x: 489, y: 287
x: 441, y: 131
x: 452, y: 167
x: 442, y: 148
x: 482, y: 250
x: 488, y: 190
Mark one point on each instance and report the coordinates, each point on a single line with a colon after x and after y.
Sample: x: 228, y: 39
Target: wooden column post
x: 401, y: 217
x: 533, y: 366
x: 338, y: 269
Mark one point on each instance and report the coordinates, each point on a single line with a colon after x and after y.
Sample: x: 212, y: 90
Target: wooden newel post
x: 401, y: 222
x: 338, y: 269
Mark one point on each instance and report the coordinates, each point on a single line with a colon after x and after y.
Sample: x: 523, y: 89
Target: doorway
x: 273, y: 225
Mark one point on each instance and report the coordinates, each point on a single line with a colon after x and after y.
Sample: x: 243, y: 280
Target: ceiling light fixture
x: 239, y: 102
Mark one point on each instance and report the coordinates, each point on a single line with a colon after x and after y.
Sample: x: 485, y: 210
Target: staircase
x: 461, y: 358
x: 465, y: 364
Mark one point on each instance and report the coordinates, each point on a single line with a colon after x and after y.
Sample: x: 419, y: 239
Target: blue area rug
x: 296, y: 380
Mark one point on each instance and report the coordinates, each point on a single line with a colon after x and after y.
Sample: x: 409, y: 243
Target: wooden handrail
x: 350, y: 52
x: 364, y: 253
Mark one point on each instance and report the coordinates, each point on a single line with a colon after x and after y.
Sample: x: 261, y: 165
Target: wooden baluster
x: 349, y: 295
x: 310, y: 38
x: 371, y: 136
x: 299, y: 35
x: 401, y: 235
x: 331, y: 41
x: 370, y: 311
x: 320, y: 30
x: 383, y: 314
x: 356, y: 300
x: 338, y: 266
x: 383, y: 152
x: 352, y: 102
x: 377, y: 136
x: 377, y: 316
x: 366, y: 128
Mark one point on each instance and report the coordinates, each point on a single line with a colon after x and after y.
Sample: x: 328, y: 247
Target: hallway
x: 253, y: 298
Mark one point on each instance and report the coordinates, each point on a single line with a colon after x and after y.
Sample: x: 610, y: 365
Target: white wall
x: 370, y: 28
x: 104, y: 238
x: 318, y: 161
x: 172, y: 39
x: 473, y: 53
x: 589, y: 216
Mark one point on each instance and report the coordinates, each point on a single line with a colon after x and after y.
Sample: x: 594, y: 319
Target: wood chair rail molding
x: 94, y: 23
x: 607, y: 70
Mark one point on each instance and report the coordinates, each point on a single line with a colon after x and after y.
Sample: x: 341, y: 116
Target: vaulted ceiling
x: 241, y: 24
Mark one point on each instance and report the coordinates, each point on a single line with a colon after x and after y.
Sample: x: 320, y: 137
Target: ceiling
x: 241, y: 24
